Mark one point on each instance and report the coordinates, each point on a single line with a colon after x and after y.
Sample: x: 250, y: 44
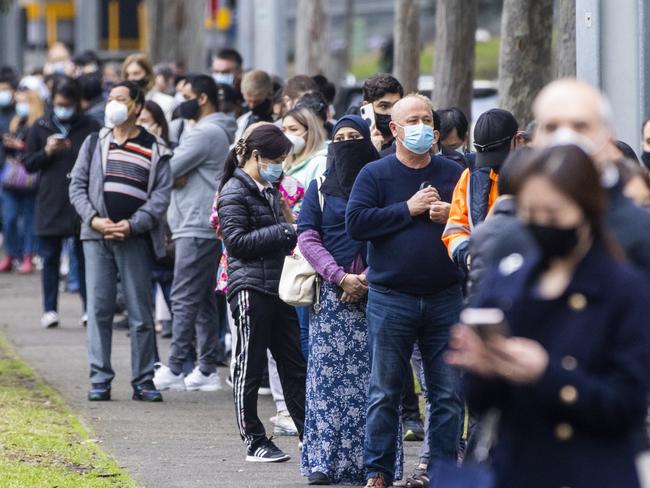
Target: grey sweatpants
x: 194, y: 303
x: 132, y: 260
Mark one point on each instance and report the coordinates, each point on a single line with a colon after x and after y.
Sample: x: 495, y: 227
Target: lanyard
x: 62, y: 129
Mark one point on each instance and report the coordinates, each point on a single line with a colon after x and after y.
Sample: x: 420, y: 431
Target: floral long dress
x: 338, y: 374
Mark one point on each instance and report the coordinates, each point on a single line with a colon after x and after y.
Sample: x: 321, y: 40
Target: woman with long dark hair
x: 257, y: 236
x: 152, y: 118
x: 571, y: 379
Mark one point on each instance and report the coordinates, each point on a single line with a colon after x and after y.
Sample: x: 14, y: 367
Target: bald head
x: 409, y: 106
x: 411, y: 110
x: 574, y: 105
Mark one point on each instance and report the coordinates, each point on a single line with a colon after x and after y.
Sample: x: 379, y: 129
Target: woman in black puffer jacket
x: 258, y: 237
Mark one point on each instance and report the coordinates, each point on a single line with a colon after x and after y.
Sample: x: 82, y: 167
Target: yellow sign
x: 223, y: 18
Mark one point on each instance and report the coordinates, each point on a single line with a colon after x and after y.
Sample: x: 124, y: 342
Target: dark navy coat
x: 581, y: 424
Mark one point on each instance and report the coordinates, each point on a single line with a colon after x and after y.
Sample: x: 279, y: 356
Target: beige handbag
x: 299, y: 282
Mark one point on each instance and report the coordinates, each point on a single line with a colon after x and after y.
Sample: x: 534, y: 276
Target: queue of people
x: 511, y: 281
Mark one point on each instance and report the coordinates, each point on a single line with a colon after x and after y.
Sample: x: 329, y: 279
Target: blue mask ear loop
x: 64, y: 132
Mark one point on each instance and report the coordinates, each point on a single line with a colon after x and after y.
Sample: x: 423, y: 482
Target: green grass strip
x: 41, y: 443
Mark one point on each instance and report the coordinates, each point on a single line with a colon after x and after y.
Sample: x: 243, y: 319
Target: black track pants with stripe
x: 265, y: 322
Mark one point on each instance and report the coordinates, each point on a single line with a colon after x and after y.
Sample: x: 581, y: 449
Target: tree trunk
x: 5, y: 5
x: 176, y: 33
x: 311, y: 25
x: 565, y: 44
x: 453, y: 71
x: 407, y: 44
x: 525, y: 58
x: 340, y: 47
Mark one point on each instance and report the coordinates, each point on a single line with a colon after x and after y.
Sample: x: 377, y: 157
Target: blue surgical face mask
x: 418, y: 138
x: 22, y: 110
x: 64, y: 113
x: 59, y: 67
x: 5, y: 98
x: 271, y: 173
x: 225, y: 78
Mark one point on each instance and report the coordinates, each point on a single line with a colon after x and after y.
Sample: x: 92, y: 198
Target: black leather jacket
x: 255, y: 234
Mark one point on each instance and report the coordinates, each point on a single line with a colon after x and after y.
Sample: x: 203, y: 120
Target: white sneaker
x: 84, y: 320
x: 198, y: 381
x: 164, y: 379
x: 284, y: 424
x: 50, y: 320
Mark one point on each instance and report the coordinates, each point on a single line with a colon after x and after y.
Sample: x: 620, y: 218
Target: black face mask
x: 143, y: 83
x: 645, y: 157
x: 349, y: 158
x: 262, y: 110
x: 381, y: 122
x: 189, y: 109
x: 554, y: 242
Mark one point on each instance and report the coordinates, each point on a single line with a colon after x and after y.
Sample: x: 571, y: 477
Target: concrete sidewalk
x: 189, y: 440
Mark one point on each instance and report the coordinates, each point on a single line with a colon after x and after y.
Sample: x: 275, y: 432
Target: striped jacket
x: 87, y: 190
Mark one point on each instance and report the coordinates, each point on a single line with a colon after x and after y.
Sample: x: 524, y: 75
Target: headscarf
x: 345, y: 159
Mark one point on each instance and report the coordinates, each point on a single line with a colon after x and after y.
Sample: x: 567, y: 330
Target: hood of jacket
x: 226, y: 121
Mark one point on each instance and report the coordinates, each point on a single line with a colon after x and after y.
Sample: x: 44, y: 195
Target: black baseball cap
x: 493, y: 135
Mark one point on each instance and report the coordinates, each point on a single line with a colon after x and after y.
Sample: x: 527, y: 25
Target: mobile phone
x: 425, y: 184
x: 486, y: 322
x: 368, y: 114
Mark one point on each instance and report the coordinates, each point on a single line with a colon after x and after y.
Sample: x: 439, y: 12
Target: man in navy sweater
x: 400, y: 204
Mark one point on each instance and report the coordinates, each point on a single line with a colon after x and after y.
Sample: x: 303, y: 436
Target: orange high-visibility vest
x: 460, y: 225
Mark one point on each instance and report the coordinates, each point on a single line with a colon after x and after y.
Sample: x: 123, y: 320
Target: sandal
x: 419, y: 479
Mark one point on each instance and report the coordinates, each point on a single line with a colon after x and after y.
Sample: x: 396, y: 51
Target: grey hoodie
x: 200, y: 157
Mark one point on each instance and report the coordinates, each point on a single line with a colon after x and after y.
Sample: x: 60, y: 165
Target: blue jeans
x: 73, y: 279
x: 303, y: 320
x: 50, y: 248
x: 395, y: 322
x: 18, y: 224
x: 132, y: 260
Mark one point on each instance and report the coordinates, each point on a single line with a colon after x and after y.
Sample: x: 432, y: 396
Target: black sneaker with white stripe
x: 266, y: 452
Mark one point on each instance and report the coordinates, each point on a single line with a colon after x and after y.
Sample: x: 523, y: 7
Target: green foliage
x: 486, y: 64
x: 5, y: 5
x: 41, y: 442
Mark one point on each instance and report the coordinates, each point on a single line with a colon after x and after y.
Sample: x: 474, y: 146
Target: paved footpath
x: 188, y: 441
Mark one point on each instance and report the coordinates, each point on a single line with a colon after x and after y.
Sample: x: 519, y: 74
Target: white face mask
x: 565, y: 136
x: 297, y: 141
x: 116, y: 113
x: 5, y: 98
x: 179, y: 98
